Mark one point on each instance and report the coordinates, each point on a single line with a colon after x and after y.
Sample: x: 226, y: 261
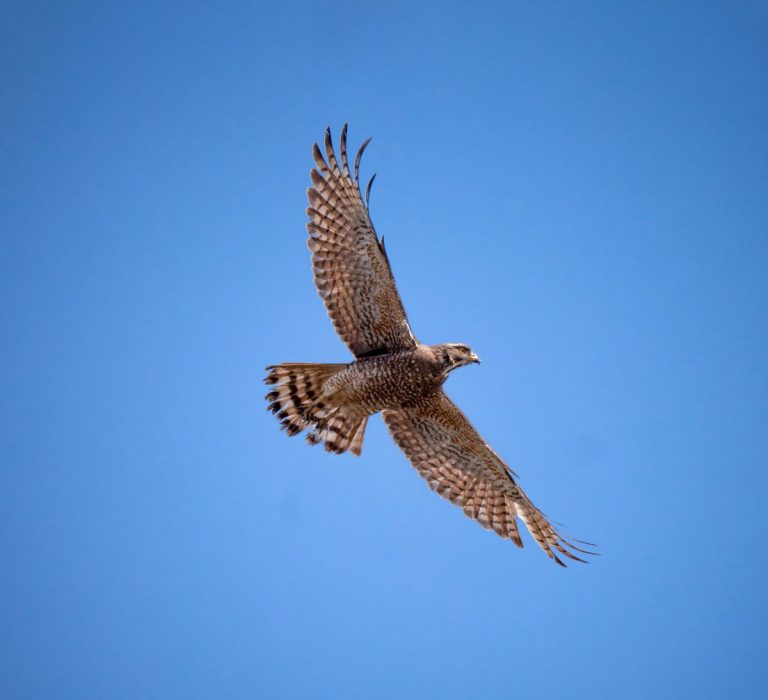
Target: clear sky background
x: 577, y: 190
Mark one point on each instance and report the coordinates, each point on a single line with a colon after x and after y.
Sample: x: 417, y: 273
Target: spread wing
x: 449, y: 453
x: 351, y: 269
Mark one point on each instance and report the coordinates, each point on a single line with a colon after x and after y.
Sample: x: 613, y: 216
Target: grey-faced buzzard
x: 392, y: 372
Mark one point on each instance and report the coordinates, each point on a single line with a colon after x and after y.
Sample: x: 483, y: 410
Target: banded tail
x: 300, y: 403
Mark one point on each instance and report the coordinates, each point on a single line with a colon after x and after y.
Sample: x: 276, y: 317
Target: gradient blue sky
x: 578, y: 190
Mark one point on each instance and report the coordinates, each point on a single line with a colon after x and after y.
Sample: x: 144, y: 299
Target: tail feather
x: 300, y: 402
x: 356, y: 443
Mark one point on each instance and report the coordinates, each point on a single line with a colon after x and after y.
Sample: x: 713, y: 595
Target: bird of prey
x: 392, y: 373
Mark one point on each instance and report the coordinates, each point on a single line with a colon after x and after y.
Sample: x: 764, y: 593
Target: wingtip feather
x: 368, y: 191
x: 359, y: 155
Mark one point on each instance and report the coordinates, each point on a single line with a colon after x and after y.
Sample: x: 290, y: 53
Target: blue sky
x: 577, y: 190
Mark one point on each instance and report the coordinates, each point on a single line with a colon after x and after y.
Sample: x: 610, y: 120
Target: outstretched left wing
x: 449, y: 453
x: 352, y: 272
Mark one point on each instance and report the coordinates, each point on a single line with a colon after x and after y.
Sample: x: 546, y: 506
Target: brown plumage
x: 392, y: 372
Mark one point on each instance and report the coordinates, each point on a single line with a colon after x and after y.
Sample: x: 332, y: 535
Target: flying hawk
x: 392, y: 372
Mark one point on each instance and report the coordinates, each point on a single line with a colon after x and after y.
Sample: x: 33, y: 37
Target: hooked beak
x: 474, y: 358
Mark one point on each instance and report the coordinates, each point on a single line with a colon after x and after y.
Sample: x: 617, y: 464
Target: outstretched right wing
x: 351, y: 269
x: 449, y: 453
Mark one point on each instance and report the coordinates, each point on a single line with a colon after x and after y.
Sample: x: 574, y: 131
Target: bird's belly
x: 380, y: 383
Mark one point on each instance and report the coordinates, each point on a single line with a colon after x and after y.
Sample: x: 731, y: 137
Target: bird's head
x: 453, y: 355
